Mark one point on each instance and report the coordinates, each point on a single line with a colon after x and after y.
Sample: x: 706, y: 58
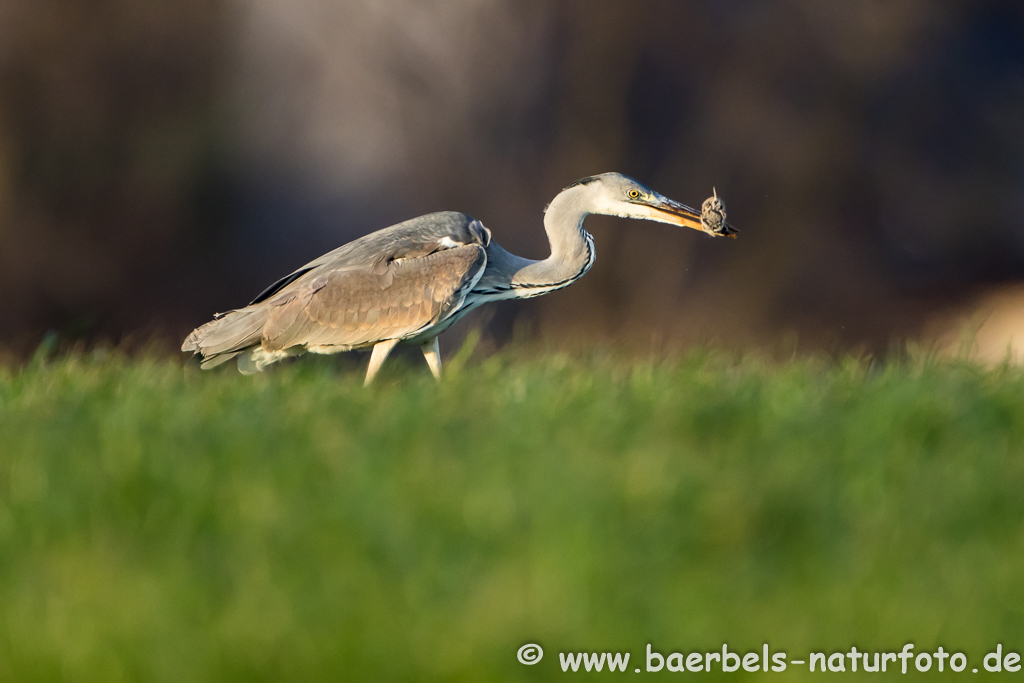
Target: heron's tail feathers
x: 226, y: 336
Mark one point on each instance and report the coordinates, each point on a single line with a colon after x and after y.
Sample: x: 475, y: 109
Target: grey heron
x: 411, y: 281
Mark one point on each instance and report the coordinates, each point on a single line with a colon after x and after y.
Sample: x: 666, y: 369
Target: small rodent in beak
x: 712, y: 216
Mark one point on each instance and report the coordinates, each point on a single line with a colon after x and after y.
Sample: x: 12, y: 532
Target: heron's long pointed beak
x: 671, y: 211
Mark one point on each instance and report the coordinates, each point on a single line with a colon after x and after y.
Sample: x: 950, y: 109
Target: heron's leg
x: 432, y: 352
x: 380, y: 352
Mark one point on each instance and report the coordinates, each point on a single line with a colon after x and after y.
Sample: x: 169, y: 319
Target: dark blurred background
x: 163, y: 160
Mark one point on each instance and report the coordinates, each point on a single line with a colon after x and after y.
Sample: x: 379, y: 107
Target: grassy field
x: 166, y: 525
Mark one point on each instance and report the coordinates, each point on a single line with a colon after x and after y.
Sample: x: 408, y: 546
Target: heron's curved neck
x: 572, y: 247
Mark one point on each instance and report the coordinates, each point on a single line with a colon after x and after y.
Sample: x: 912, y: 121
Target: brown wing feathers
x: 354, y: 307
x: 394, y: 283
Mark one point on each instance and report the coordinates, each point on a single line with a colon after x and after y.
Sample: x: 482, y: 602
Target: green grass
x: 166, y: 525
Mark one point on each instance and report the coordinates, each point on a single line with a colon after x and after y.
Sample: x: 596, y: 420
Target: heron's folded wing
x: 414, y: 238
x: 363, y: 305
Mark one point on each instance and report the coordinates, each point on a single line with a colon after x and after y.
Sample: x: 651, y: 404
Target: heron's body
x: 411, y: 281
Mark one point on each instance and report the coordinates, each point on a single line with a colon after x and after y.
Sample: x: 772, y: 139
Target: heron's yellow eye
x: 634, y: 194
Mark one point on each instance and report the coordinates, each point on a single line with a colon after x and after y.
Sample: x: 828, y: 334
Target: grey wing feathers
x: 278, y: 286
x: 392, y: 284
x: 359, y: 306
x: 412, y: 238
x: 227, y: 334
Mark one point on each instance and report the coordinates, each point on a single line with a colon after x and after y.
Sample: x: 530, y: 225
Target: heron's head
x: 613, y: 194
